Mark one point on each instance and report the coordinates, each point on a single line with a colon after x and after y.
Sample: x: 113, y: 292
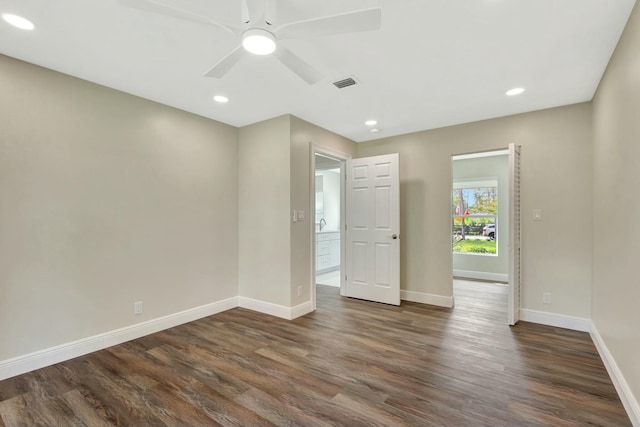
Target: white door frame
x: 515, y: 233
x: 342, y: 158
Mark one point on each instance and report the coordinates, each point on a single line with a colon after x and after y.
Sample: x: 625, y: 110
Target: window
x: 474, y: 217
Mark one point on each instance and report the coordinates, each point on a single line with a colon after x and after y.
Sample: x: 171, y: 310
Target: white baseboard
x: 557, y: 320
x: 629, y: 401
x: 49, y: 356
x: 481, y: 275
x: 265, y: 307
x: 301, y: 310
x: 40, y: 359
x: 424, y: 298
x: 281, y: 311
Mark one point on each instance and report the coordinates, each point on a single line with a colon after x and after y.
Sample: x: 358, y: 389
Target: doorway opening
x: 484, y: 215
x: 328, y: 207
x: 328, y: 191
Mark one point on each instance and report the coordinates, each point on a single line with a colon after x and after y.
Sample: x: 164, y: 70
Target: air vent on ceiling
x: 341, y: 84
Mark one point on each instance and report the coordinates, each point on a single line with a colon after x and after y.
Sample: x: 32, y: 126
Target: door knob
x: 394, y: 236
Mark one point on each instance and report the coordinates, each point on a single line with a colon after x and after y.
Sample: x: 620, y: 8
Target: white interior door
x: 514, y: 234
x: 373, y: 229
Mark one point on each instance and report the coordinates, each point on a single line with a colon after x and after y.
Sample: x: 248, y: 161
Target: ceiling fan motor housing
x: 258, y: 41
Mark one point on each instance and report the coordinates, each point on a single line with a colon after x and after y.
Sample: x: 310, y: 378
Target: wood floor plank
x: 349, y: 363
x: 277, y: 411
x: 83, y: 410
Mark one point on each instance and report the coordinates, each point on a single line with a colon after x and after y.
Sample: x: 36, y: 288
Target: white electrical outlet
x: 299, y: 291
x: 137, y: 308
x: 546, y: 297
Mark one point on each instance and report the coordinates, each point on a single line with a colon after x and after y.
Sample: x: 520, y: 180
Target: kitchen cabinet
x: 327, y: 251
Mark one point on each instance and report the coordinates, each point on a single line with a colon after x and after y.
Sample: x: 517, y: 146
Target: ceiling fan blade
x: 350, y: 22
x: 270, y: 12
x: 257, y: 13
x: 226, y: 63
x: 163, y: 9
x: 305, y: 71
x: 244, y: 12
x: 255, y: 10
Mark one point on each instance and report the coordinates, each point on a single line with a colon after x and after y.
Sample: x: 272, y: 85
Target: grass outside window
x: 474, y: 246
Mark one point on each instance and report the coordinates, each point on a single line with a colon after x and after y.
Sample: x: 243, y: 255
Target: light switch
x: 294, y: 217
x: 301, y: 215
x: 537, y: 215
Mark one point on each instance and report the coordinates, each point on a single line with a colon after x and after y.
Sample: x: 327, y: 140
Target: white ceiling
x: 434, y: 63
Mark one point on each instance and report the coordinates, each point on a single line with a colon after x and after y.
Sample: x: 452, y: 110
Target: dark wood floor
x: 350, y: 363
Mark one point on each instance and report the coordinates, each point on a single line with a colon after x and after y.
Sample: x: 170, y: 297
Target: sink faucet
x: 321, y: 223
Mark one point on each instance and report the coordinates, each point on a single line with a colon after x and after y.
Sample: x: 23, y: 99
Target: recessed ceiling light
x: 374, y: 130
x: 221, y: 99
x: 258, y: 41
x: 515, y: 91
x: 371, y: 122
x: 18, y: 21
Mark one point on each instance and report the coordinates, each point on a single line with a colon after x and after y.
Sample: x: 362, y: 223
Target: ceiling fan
x: 261, y: 38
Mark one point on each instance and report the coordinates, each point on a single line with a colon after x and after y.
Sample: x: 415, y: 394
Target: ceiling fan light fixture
x: 259, y: 42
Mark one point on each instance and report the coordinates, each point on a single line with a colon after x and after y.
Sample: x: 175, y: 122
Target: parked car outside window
x: 490, y: 231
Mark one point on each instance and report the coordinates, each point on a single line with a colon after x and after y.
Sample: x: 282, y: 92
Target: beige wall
x: 496, y: 167
x: 556, y: 177
x: 107, y: 199
x: 616, y: 205
x: 274, y: 179
x: 303, y: 134
x: 264, y: 224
